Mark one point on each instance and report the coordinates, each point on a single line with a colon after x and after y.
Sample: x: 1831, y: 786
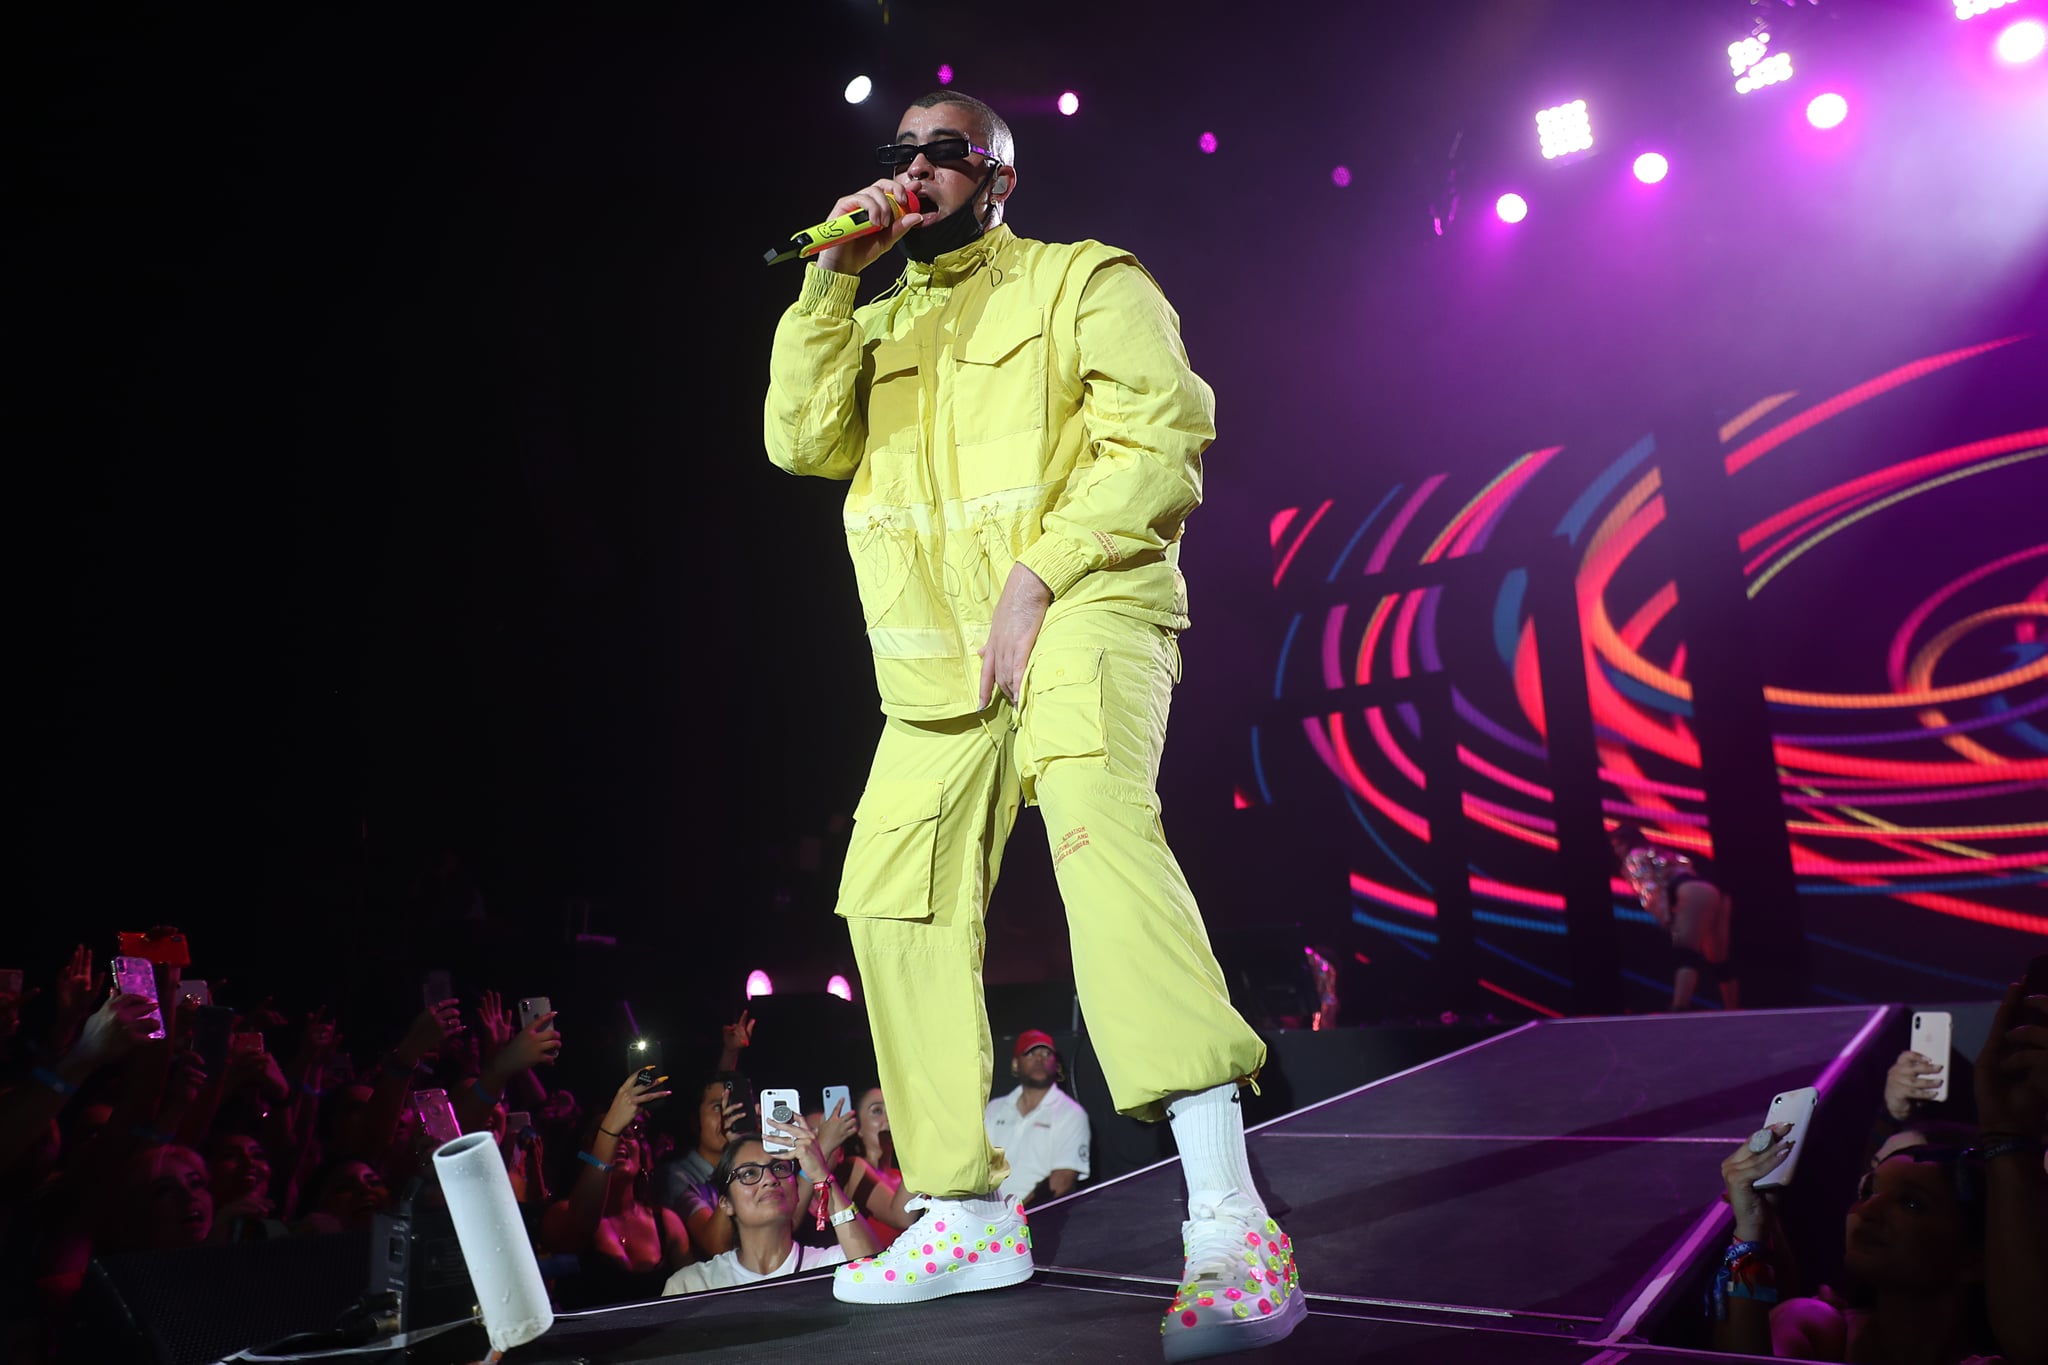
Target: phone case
x: 1931, y: 1040
x: 530, y: 1009
x: 437, y: 1115
x: 137, y: 976
x: 777, y: 1105
x: 837, y: 1098
x: 1796, y: 1108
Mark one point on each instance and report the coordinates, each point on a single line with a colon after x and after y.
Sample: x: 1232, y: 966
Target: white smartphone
x: 530, y: 1009
x: 137, y: 976
x: 778, y: 1106
x: 1931, y: 1040
x: 1796, y: 1108
x: 837, y: 1099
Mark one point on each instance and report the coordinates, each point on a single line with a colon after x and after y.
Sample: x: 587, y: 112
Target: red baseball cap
x: 1031, y: 1038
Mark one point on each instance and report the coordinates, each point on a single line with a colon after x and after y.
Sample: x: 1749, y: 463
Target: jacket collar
x: 950, y: 269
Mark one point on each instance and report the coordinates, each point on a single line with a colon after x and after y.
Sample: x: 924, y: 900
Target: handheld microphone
x: 844, y: 228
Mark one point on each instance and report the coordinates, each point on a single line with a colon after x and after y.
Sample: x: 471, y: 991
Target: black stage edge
x: 1546, y: 1194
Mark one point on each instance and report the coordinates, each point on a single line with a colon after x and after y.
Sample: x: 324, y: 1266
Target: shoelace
x: 1214, y: 1249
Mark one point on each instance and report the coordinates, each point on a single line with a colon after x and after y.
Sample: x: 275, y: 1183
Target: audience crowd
x: 129, y: 1126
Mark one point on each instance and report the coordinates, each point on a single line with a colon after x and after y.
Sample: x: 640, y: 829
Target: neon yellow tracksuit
x: 1030, y: 403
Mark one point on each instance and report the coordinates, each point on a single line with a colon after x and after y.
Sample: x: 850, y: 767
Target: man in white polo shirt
x: 1042, y: 1131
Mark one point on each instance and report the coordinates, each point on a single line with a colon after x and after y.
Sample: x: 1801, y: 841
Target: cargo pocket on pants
x: 1062, y: 712
x: 889, y: 860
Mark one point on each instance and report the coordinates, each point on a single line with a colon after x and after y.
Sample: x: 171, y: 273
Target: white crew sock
x: 1209, y: 1129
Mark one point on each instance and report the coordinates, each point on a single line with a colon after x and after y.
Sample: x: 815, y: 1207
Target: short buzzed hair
x: 994, y: 133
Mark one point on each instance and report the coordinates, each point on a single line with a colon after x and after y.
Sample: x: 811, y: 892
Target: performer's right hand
x: 852, y: 257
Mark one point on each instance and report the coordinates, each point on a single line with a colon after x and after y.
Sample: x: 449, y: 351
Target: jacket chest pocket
x: 893, y: 383
x: 999, y: 378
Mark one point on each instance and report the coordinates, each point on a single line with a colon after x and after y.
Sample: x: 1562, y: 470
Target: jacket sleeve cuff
x: 1055, y: 561
x: 827, y: 292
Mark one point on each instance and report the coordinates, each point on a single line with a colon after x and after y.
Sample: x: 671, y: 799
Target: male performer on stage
x: 1022, y: 437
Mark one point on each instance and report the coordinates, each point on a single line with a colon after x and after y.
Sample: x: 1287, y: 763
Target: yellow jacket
x: 1013, y: 401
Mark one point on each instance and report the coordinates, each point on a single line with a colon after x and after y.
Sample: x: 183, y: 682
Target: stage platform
x: 1548, y: 1194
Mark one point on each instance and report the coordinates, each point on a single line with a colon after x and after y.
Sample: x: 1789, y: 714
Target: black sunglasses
x: 749, y: 1173
x: 896, y: 155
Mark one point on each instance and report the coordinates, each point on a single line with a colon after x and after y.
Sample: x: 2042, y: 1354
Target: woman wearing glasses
x: 757, y: 1190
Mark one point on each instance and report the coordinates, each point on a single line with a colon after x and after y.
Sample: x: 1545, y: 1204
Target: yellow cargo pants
x: 942, y: 797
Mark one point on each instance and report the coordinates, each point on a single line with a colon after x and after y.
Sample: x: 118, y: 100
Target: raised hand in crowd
x: 495, y: 1021
x: 1912, y: 1081
x: 2012, y: 1110
x: 573, y: 1223
x: 538, y: 1044
x: 833, y: 1131
x: 737, y: 1035
x: 110, y: 1033
x: 1746, y: 1326
x: 77, y: 987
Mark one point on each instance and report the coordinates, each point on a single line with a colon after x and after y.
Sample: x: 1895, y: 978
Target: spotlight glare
x: 840, y: 987
x: 1069, y: 102
x: 1511, y: 207
x: 1207, y: 142
x: 1970, y: 9
x: 1826, y: 111
x: 1651, y: 167
x: 2023, y: 42
x: 945, y: 73
x: 1747, y: 53
x: 759, y: 984
x: 1564, y: 129
x: 858, y: 89
x: 1340, y: 176
x: 1772, y: 69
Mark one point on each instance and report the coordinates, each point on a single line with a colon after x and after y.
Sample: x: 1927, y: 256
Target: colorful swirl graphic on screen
x: 1907, y: 726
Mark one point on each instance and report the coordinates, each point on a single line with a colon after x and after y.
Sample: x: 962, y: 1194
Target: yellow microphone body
x: 844, y: 228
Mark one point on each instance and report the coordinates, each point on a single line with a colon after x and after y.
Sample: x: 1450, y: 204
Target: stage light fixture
x: 1747, y: 53
x: 858, y: 89
x: 1651, y: 167
x: 840, y: 987
x: 1069, y: 103
x: 945, y: 73
x: 1827, y: 111
x: 759, y: 984
x: 1512, y: 208
x: 1207, y: 142
x: 1771, y: 70
x: 1564, y: 129
x: 2022, y: 42
x: 1340, y: 176
x: 1970, y: 9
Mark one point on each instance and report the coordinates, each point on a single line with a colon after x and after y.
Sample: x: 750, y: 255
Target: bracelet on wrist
x: 589, y: 1160
x: 54, y: 1081
x: 609, y: 1133
x: 402, y: 1070
x: 486, y: 1096
x: 2007, y: 1146
x: 844, y: 1216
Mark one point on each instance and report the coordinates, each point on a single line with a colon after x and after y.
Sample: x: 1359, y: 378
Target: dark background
x: 393, y: 532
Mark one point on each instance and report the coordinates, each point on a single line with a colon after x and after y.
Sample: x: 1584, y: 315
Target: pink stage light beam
x: 1070, y: 103
x: 1511, y: 207
x: 1651, y: 167
x: 1207, y: 142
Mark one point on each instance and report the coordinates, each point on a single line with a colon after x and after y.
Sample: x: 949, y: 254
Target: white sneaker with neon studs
x: 955, y: 1247
x: 1240, y: 1290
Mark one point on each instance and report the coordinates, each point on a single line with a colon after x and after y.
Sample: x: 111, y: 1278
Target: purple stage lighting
x: 858, y: 89
x: 1207, y: 142
x: 1069, y: 102
x: 759, y: 984
x: 1340, y: 176
x: 839, y: 986
x: 1970, y: 9
x: 945, y: 73
x: 1564, y: 130
x: 2023, y: 42
x: 1512, y: 208
x: 1826, y: 111
x: 1652, y: 167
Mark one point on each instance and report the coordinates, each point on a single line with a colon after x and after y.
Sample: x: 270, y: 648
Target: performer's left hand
x: 1019, y: 613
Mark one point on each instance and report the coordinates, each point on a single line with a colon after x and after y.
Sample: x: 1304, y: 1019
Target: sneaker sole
x: 1228, y: 1338
x: 999, y: 1273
